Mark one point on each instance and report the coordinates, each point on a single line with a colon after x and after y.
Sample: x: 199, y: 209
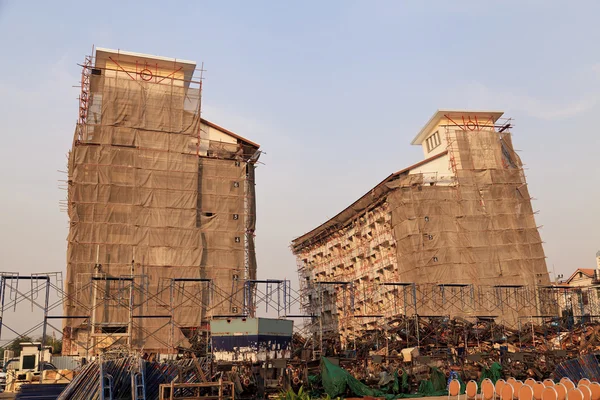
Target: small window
x: 237, y: 239
x: 114, y: 329
x: 235, y: 277
x: 236, y: 216
x: 433, y: 141
x: 237, y: 163
x: 234, y: 310
x: 236, y: 184
x: 29, y: 362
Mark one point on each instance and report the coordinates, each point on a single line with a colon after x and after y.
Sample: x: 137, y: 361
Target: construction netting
x: 461, y: 242
x: 163, y: 203
x: 480, y: 231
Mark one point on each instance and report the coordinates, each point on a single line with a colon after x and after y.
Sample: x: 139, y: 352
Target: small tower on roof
x: 432, y: 136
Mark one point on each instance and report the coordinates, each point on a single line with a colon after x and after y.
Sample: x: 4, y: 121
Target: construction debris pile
x: 456, y: 346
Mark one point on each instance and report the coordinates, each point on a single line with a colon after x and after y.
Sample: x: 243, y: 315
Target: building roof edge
x: 348, y: 212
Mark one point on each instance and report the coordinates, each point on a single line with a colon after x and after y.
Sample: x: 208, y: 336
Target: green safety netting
x: 338, y: 382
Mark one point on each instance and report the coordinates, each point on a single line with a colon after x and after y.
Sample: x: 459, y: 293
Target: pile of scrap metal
x: 413, y: 346
x: 408, y: 351
x: 259, y: 379
x: 32, y: 391
x: 586, y: 366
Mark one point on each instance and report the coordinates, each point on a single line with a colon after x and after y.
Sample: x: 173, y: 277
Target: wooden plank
x: 201, y: 376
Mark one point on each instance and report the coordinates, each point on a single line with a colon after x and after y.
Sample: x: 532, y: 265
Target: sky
x: 334, y: 91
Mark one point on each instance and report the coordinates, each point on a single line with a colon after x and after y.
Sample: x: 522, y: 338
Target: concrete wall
x: 581, y: 279
x: 143, y: 67
x: 441, y: 130
x: 437, y: 171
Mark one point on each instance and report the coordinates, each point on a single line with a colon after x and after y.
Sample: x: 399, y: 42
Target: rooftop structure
x: 161, y: 207
x: 451, y: 235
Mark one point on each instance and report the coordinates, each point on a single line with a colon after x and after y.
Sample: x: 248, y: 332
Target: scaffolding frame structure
x: 129, y: 296
x: 161, y: 204
x: 498, y: 307
x: 347, y: 311
x: 38, y: 296
x: 460, y: 241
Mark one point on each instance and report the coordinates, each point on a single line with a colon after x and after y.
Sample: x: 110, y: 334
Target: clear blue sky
x: 333, y: 91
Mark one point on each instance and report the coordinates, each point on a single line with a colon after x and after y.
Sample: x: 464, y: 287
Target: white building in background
x: 579, y: 294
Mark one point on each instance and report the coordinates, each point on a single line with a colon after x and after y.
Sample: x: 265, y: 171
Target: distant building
x: 579, y: 295
x: 454, y: 234
x: 582, y: 277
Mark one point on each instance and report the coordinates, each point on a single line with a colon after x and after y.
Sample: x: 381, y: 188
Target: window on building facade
x: 433, y: 141
x: 584, y: 298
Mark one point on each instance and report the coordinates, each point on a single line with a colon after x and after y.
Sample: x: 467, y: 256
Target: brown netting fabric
x: 469, y: 247
x: 479, y: 231
x: 150, y: 195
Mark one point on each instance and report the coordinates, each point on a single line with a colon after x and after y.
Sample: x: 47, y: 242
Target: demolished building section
x: 453, y: 235
x: 161, y: 207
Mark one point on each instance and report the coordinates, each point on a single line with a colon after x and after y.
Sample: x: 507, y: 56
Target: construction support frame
x: 119, y: 292
x: 39, y: 284
x: 557, y: 308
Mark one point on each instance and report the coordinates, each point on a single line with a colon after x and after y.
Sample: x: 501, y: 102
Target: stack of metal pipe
x: 113, y: 378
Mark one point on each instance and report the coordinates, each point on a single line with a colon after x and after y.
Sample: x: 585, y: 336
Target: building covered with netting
x: 161, y: 207
x: 453, y: 235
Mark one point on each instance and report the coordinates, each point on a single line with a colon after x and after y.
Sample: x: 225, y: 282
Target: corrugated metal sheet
x: 234, y: 326
x: 251, y: 326
x: 267, y: 326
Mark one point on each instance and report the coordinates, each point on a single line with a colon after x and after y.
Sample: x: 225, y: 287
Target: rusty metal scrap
x: 458, y: 345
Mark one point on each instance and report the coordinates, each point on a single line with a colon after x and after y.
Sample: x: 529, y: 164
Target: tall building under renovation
x: 161, y: 207
x: 453, y: 235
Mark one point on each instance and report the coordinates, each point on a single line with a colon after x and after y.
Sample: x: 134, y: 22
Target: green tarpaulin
x: 494, y: 372
x: 338, y: 382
